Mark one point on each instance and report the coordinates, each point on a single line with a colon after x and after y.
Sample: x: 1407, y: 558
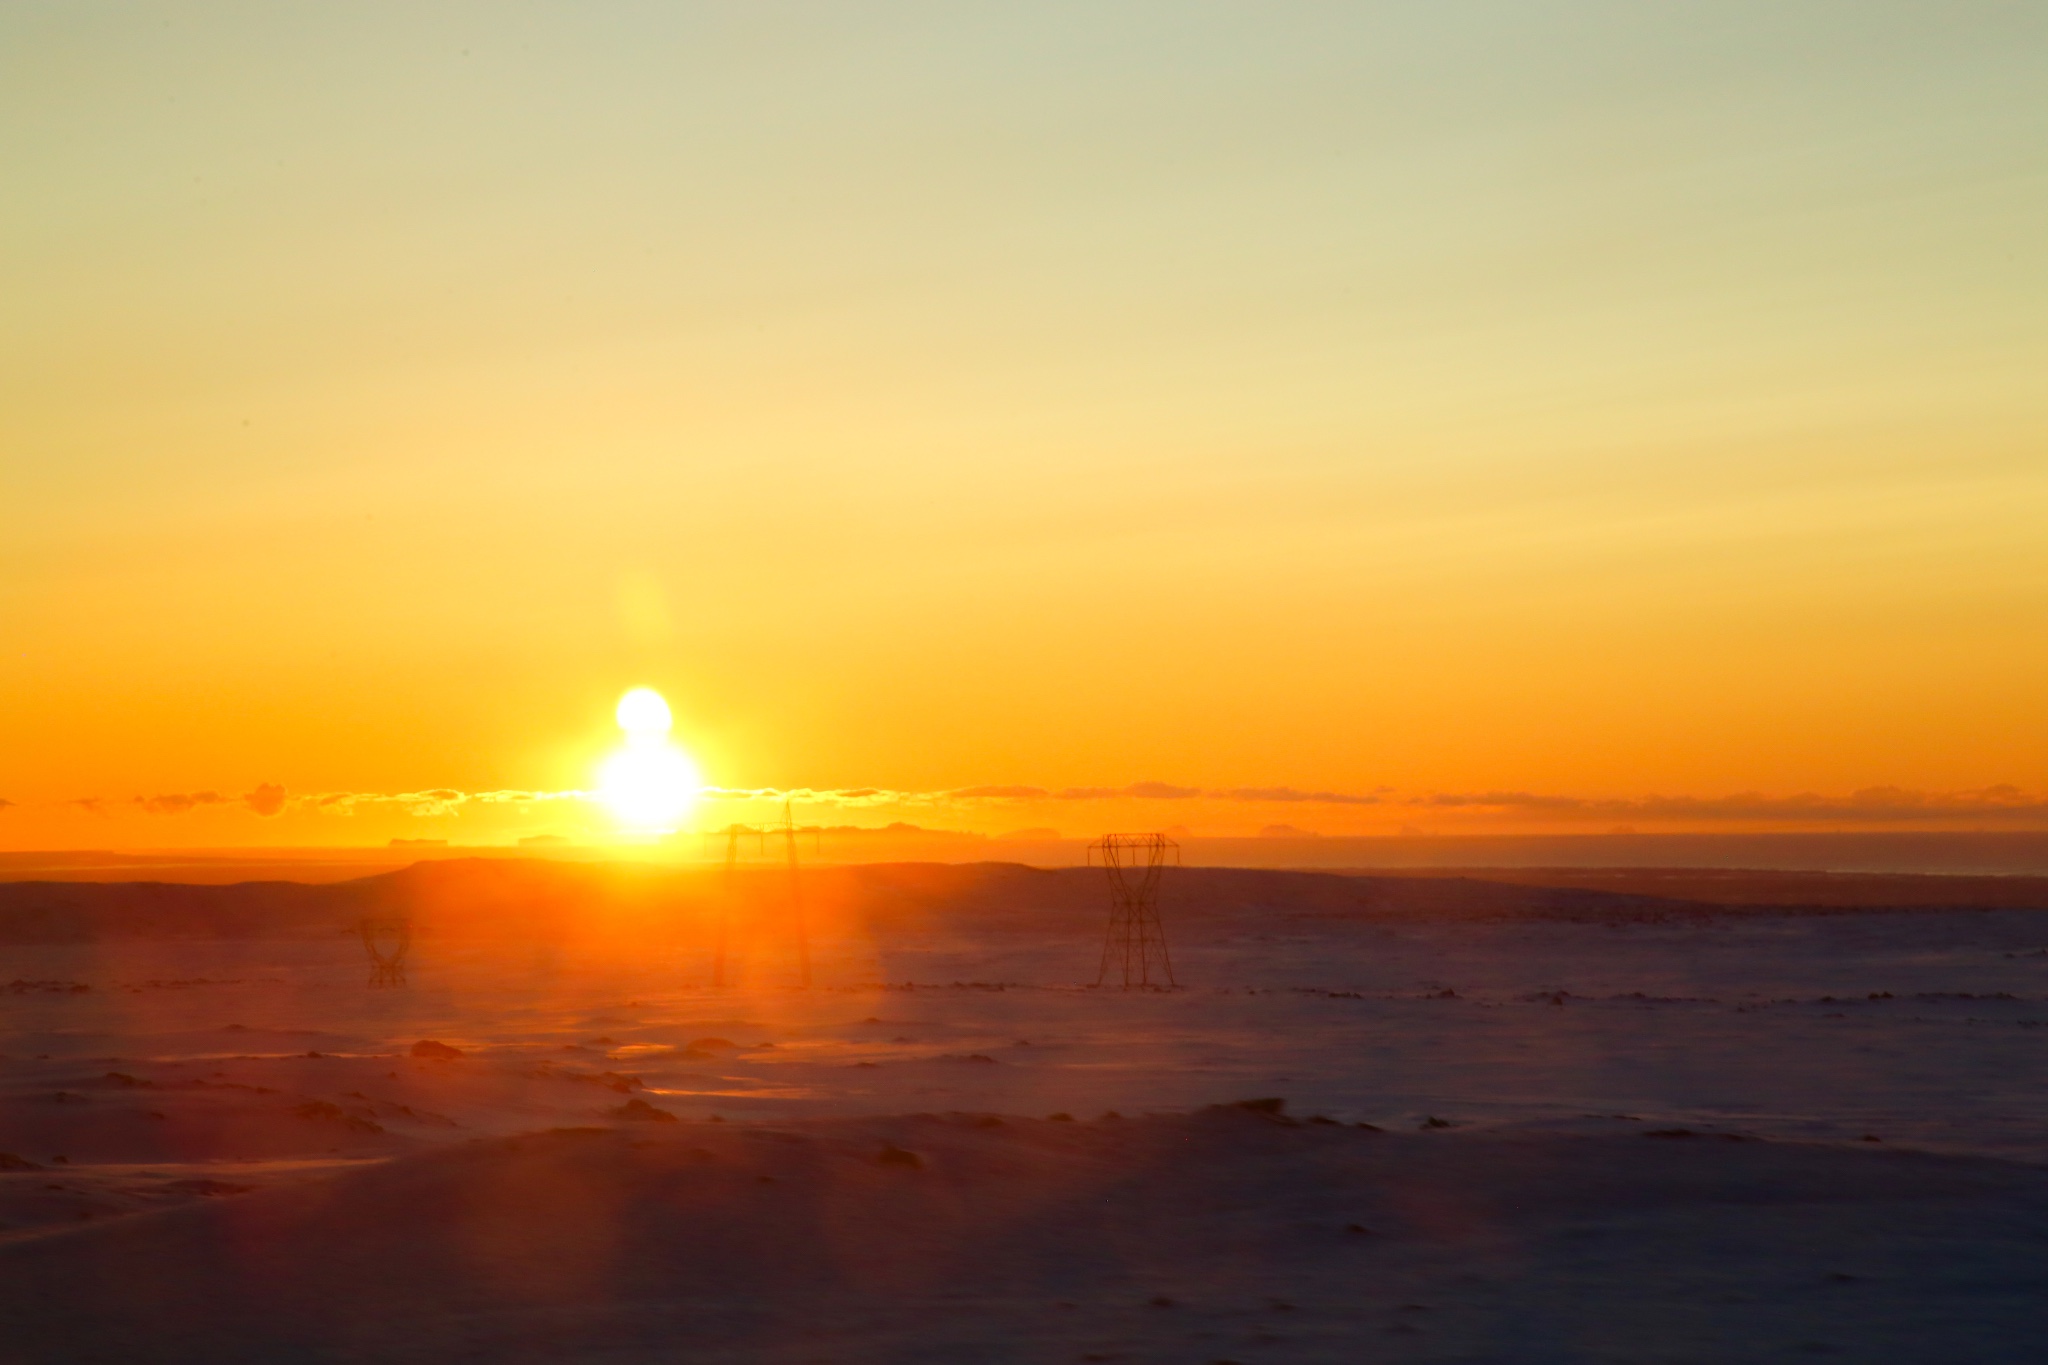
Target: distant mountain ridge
x: 532, y: 897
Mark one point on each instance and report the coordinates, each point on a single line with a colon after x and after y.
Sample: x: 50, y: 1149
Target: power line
x: 1135, y: 942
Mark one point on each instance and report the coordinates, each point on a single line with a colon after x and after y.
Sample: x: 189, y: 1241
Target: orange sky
x: 1407, y: 405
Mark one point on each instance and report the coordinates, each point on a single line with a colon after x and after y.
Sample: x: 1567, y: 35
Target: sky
x: 1358, y: 417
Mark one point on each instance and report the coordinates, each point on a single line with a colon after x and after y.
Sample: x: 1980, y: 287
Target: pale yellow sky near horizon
x: 1590, y: 400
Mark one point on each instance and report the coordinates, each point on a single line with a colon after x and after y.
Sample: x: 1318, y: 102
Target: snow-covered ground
x: 1924, y: 1030
x: 1522, y: 1061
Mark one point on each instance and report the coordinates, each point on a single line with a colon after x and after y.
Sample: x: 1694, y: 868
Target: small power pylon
x: 727, y: 902
x: 800, y: 939
x: 386, y: 941
x: 796, y: 902
x: 1134, y: 941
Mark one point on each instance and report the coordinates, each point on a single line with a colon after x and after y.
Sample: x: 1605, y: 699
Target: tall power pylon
x: 793, y: 910
x: 386, y: 941
x: 1134, y: 941
x: 730, y: 901
x: 796, y: 902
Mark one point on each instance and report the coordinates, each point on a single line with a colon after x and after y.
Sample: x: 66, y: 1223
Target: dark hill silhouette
x: 1808, y: 890
x: 488, y: 897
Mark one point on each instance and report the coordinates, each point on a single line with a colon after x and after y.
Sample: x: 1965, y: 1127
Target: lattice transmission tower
x: 386, y: 941
x: 793, y: 910
x: 1134, y: 944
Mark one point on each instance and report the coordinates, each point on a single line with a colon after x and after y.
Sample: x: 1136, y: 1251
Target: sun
x: 649, y: 784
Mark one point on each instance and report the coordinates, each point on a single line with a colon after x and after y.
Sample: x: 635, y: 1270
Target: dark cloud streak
x: 178, y: 803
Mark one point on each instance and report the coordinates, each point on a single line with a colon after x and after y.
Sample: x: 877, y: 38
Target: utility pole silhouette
x: 730, y: 901
x: 386, y: 941
x: 729, y: 904
x: 1134, y: 942
x: 796, y: 902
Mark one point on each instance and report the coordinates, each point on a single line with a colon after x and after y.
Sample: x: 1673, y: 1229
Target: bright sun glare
x: 649, y: 784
